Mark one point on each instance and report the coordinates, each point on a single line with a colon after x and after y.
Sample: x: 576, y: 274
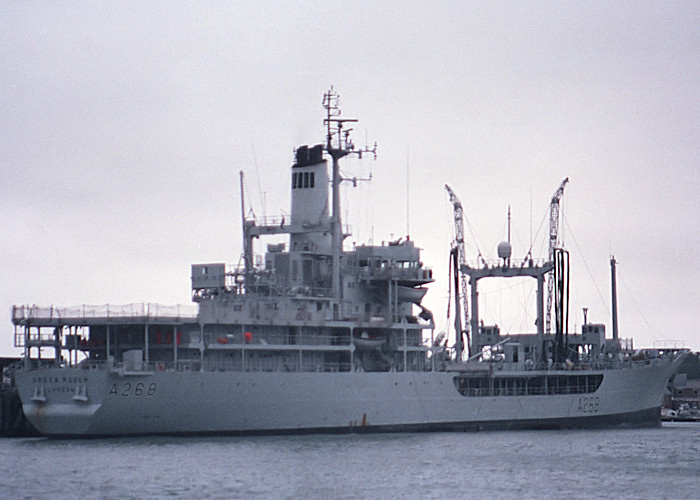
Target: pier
x: 13, y: 423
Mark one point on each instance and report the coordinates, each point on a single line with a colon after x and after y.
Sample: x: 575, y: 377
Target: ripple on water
x: 629, y: 463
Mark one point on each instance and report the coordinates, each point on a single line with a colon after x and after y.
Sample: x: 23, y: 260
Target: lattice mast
x: 458, y: 245
x: 554, y: 242
x: 338, y: 145
x: 247, y: 238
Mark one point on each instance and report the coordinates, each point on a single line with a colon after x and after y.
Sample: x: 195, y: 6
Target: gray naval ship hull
x: 97, y: 402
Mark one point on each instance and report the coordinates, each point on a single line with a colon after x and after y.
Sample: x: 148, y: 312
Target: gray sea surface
x: 621, y: 463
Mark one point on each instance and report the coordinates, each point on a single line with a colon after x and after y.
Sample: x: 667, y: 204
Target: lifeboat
x: 368, y: 342
x: 408, y: 294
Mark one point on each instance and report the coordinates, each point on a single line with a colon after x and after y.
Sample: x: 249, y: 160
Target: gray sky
x: 124, y: 127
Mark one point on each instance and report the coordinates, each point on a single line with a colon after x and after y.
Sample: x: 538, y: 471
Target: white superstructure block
x: 310, y: 199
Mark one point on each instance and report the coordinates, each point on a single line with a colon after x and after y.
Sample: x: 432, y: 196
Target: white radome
x: 504, y: 250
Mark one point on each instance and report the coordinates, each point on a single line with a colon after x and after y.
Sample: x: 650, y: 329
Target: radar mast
x: 338, y: 145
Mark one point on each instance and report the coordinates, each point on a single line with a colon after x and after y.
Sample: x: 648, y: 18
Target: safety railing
x: 148, y: 311
x: 395, y: 272
x: 514, y: 263
x: 272, y: 341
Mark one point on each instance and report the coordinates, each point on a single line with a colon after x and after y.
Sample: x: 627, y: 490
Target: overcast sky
x: 123, y: 127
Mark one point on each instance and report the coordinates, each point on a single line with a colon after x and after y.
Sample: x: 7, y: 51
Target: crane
x: 458, y: 248
x: 553, y: 243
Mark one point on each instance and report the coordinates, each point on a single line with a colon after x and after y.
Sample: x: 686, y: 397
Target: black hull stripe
x: 644, y: 418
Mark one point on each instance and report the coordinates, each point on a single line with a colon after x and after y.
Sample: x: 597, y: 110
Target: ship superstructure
x: 312, y: 291
x: 314, y: 336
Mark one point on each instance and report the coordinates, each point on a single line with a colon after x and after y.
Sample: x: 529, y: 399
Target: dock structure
x: 13, y: 423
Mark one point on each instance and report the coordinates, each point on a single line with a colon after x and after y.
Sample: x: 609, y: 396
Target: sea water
x: 618, y: 463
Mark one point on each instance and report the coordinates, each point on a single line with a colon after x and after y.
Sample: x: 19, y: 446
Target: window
x: 306, y: 179
x: 294, y: 180
x: 469, y: 385
x: 311, y: 179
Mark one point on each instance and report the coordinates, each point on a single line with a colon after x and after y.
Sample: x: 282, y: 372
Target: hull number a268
x: 589, y: 405
x: 128, y: 389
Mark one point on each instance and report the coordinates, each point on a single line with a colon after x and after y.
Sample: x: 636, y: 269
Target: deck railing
x: 149, y: 311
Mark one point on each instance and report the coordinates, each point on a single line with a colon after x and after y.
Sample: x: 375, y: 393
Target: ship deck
x: 86, y: 315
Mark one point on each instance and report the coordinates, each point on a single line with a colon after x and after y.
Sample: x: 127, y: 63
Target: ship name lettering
x: 59, y: 380
x: 589, y: 405
x: 128, y: 389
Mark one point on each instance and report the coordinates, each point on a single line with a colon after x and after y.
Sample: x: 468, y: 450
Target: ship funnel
x: 310, y: 201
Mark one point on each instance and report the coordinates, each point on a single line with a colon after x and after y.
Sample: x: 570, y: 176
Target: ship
x: 315, y: 335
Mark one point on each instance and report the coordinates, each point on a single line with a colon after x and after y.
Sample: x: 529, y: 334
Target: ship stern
x: 61, y: 401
